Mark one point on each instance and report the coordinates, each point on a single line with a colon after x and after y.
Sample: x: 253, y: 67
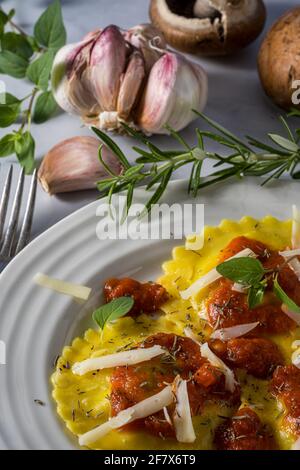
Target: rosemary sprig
x: 154, y: 166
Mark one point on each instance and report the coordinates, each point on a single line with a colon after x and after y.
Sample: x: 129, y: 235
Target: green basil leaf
x: 39, y: 70
x: 49, y: 29
x: 246, y: 271
x: 16, y: 43
x: 13, y: 64
x: 291, y: 305
x: 117, y: 308
x: 24, y: 148
x: 256, y: 295
x: 7, y: 145
x: 9, y: 114
x: 45, y: 107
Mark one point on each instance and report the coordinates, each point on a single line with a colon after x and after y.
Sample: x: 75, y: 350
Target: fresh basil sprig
x: 117, y: 308
x: 30, y: 57
x: 250, y: 273
x: 247, y: 271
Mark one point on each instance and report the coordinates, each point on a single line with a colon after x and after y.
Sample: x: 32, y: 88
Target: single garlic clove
x: 71, y: 88
x: 130, y: 89
x: 175, y: 87
x: 149, y: 40
x: 107, y: 64
x: 74, y: 165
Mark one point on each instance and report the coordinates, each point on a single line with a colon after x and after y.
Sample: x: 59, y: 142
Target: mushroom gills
x: 194, y: 9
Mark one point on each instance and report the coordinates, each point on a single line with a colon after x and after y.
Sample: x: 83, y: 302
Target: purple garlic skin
x: 175, y: 87
x: 115, y: 76
x: 107, y: 64
x: 74, y: 165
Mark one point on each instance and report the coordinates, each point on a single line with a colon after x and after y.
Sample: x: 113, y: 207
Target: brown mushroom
x: 279, y: 60
x: 209, y: 27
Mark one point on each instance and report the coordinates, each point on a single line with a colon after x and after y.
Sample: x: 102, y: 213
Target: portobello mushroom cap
x: 209, y: 27
x: 279, y: 59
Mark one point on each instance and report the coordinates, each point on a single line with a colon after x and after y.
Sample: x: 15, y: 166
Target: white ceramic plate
x: 35, y: 323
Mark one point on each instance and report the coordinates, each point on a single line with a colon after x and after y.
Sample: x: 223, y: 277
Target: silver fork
x: 11, y: 243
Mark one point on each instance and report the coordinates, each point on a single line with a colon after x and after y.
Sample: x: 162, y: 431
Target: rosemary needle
x: 154, y: 166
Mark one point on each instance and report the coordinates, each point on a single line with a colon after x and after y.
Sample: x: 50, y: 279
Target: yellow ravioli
x: 83, y: 401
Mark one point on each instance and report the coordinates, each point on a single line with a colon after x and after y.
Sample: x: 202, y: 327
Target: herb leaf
x: 7, y: 145
x: 246, y: 271
x: 256, y: 295
x: 115, y: 309
x: 16, y: 43
x: 24, y: 148
x: 39, y: 70
x: 13, y: 64
x: 49, y: 29
x: 292, y: 306
x: 45, y: 106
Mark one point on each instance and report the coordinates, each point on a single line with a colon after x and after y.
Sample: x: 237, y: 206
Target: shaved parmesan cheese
x: 230, y: 381
x: 211, y: 276
x: 294, y: 264
x: 296, y: 358
x: 294, y: 316
x: 124, y: 358
x: 167, y: 416
x: 296, y: 445
x: 182, y: 418
x: 141, y: 410
x: 190, y: 334
x: 296, y: 344
x: 296, y: 228
x: 290, y: 253
x: 194, y: 242
x: 67, y: 288
x: 224, y: 334
x: 240, y: 288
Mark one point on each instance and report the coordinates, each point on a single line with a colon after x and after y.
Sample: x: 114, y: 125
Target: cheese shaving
x: 182, y: 418
x: 124, y: 358
x: 211, y: 276
x: 76, y: 291
x: 141, y: 410
x: 224, y: 334
x: 230, y: 381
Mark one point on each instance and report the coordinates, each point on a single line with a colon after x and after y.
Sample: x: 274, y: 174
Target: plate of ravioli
x: 152, y: 344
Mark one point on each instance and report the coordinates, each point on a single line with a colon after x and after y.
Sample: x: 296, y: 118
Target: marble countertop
x: 236, y: 99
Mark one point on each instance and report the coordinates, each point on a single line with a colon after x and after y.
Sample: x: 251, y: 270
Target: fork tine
x: 13, y: 221
x: 28, y: 217
x: 4, y: 199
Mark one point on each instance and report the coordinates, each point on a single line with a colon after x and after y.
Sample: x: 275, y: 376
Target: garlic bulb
x: 149, y: 40
x: 175, y: 87
x: 74, y: 165
x: 115, y: 76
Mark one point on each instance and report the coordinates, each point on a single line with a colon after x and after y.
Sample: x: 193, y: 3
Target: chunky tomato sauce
x: 228, y: 308
x: 258, y: 356
x: 148, y: 297
x: 285, y: 385
x: 131, y: 384
x: 244, y: 431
